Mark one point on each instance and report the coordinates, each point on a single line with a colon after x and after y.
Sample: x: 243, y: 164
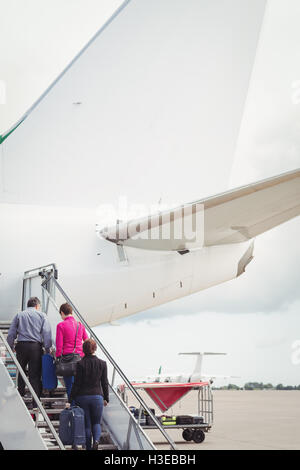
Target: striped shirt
x: 30, y: 325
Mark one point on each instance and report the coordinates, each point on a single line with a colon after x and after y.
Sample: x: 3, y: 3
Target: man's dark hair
x: 33, y: 302
x: 66, y: 309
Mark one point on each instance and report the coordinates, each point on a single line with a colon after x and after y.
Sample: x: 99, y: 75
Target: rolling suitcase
x: 168, y: 420
x: 142, y: 417
x: 185, y: 419
x: 149, y: 420
x: 49, y: 377
x: 71, y: 426
x: 198, y: 419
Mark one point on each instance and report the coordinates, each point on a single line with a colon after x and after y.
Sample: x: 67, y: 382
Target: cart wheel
x: 198, y: 436
x: 188, y: 434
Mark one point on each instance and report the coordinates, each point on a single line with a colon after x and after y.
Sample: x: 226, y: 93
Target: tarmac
x: 243, y: 420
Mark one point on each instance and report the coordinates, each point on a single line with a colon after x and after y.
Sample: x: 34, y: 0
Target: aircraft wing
x: 231, y: 217
x: 214, y: 376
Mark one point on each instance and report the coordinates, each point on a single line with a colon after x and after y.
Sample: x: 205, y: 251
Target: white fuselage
x: 140, y: 115
x: 174, y: 378
x: 103, y: 288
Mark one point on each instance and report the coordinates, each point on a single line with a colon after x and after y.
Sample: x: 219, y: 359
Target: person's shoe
x: 95, y: 445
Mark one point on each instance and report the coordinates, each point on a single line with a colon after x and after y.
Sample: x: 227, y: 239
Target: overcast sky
x: 254, y: 318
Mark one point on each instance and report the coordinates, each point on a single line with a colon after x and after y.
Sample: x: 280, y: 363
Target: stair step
x: 53, y: 411
x: 107, y: 447
x: 43, y: 424
x: 54, y: 399
x: 47, y: 435
x: 57, y: 448
x: 101, y: 447
x: 55, y: 424
x: 57, y: 391
x: 104, y: 437
x: 49, y: 411
x: 47, y: 399
x: 55, y: 395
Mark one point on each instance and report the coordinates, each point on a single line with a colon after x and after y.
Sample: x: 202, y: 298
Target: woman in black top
x: 90, y: 391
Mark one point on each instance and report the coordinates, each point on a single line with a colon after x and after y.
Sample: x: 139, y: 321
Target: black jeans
x: 29, y: 353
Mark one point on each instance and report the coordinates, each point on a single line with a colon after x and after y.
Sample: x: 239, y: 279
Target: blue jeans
x: 92, y: 406
x: 68, y: 383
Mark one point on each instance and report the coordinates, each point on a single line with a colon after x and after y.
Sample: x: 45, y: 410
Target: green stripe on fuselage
x: 4, y: 136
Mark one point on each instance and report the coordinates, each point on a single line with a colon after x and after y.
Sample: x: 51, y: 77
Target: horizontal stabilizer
x: 202, y: 354
x: 231, y: 217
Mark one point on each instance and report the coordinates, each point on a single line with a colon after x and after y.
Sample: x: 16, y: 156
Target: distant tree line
x: 258, y: 386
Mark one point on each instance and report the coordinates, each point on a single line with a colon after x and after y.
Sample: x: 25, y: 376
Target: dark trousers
x: 29, y: 353
x: 92, y: 406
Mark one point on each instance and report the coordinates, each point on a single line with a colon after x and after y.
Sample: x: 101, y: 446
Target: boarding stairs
x: 51, y: 403
x: 22, y: 427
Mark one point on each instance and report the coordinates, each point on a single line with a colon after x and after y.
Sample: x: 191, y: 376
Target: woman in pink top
x: 65, y: 338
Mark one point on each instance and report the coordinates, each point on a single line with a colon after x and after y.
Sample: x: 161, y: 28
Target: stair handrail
x: 29, y: 274
x: 31, y: 390
x: 49, y: 276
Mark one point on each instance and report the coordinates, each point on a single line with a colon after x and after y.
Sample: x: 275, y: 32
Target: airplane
x: 180, y: 377
x: 135, y: 116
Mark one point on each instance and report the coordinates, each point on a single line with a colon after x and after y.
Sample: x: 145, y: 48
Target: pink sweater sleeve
x: 59, y: 340
x: 85, y: 335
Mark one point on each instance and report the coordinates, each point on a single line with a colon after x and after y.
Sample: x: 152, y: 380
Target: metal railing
x: 49, y: 284
x: 205, y: 404
x: 35, y: 273
x: 32, y: 392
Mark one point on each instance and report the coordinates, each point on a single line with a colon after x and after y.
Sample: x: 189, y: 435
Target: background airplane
x: 182, y: 377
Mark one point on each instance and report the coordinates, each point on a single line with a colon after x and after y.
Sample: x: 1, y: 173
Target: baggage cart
x: 165, y: 395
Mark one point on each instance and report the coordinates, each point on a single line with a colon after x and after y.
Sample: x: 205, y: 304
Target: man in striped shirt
x: 32, y: 330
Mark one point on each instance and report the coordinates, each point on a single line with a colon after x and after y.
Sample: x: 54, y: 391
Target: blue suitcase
x: 71, y: 426
x: 49, y: 377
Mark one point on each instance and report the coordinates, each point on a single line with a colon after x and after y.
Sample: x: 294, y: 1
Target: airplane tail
x: 198, y: 365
